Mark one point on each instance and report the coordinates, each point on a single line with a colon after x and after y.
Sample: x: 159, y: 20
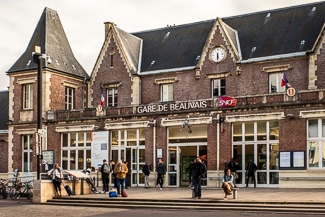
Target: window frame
x: 111, y: 97
x: 73, y: 144
x: 69, y: 98
x: 275, y: 77
x: 315, y: 145
x: 218, y: 84
x: 27, y: 164
x: 167, y: 92
x: 27, y: 96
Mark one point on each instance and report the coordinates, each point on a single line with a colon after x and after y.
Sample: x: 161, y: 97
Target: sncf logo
x: 226, y: 101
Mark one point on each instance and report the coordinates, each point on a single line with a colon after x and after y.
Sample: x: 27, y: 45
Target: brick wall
x: 112, y: 75
x: 3, y: 153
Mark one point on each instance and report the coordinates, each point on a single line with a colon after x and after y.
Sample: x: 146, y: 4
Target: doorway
x: 179, y: 158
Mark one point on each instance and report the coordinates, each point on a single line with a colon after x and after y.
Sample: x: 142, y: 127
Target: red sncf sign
x: 226, y: 101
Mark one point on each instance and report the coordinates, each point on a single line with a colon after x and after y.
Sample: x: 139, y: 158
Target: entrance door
x: 187, y: 155
x: 179, y: 158
x: 135, y: 157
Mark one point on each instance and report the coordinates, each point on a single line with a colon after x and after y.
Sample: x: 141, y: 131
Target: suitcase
x: 67, y: 189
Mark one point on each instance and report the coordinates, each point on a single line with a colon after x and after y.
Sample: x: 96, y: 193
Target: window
x: 69, y: 98
x: 316, y: 143
x: 112, y: 96
x: 27, y: 96
x: 27, y: 153
x: 76, y: 150
x: 112, y: 60
x: 166, y: 92
x: 258, y: 141
x: 218, y: 87
x: 275, y: 83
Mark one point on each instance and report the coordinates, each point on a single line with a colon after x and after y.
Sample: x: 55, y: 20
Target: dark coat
x: 232, y: 165
x: 251, y: 168
x: 161, y: 169
x: 146, y: 170
x: 199, y: 170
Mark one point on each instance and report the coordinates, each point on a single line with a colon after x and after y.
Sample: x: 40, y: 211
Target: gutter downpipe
x: 154, y: 145
x: 218, y: 149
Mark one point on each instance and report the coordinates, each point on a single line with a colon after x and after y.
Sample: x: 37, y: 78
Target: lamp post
x: 38, y: 59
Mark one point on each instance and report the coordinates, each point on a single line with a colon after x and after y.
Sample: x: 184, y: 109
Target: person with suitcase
x: 57, y: 176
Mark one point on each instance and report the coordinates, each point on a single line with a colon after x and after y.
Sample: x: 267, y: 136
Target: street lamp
x: 38, y: 59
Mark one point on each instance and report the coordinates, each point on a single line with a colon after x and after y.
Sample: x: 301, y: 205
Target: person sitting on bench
x: 227, y: 182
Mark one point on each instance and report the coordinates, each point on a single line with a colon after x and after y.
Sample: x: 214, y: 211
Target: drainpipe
x: 154, y: 145
x: 218, y: 148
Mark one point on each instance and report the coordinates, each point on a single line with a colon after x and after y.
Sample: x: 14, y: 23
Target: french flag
x: 284, y: 81
x: 102, y: 98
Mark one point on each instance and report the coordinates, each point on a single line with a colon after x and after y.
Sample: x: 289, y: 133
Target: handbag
x: 57, y: 179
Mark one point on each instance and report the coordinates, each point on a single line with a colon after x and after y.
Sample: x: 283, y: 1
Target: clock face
x: 218, y: 54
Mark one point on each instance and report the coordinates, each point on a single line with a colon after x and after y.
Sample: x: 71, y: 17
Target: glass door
x: 172, y: 166
x: 137, y: 160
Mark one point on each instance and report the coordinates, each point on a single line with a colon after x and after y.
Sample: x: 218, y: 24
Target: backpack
x: 106, y: 169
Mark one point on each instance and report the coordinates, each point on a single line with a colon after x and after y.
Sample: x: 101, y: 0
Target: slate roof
x: 282, y: 32
x: 132, y: 45
x: 173, y: 47
x: 50, y: 36
x: 4, y: 108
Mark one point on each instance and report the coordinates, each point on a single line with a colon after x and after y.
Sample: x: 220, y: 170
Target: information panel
x: 292, y: 160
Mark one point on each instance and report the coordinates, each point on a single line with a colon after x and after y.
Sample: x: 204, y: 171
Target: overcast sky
x: 83, y: 21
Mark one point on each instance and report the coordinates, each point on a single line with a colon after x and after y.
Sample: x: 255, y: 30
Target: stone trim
x: 70, y: 84
x: 165, y: 80
x: 75, y: 128
x: 278, y: 68
x: 312, y: 114
x: 255, y: 117
x: 26, y: 80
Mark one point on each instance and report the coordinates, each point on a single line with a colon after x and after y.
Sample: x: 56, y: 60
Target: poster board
x: 292, y: 160
x: 47, y: 160
x: 99, y: 148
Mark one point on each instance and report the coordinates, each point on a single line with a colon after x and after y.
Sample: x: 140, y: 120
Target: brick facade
x: 246, y: 80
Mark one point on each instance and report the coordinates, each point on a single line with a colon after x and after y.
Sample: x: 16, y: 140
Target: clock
x: 217, y: 54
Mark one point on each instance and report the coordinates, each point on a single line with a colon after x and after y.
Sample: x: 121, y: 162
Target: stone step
x: 199, y: 204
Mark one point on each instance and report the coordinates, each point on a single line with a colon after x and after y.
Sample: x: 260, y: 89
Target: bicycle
x: 4, y: 188
x: 21, y: 189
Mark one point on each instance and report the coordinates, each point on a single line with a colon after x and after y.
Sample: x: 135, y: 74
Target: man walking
x: 199, y: 170
x: 250, y: 172
x: 161, y: 171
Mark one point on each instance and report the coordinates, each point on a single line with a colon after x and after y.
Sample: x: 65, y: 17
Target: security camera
x: 49, y: 60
